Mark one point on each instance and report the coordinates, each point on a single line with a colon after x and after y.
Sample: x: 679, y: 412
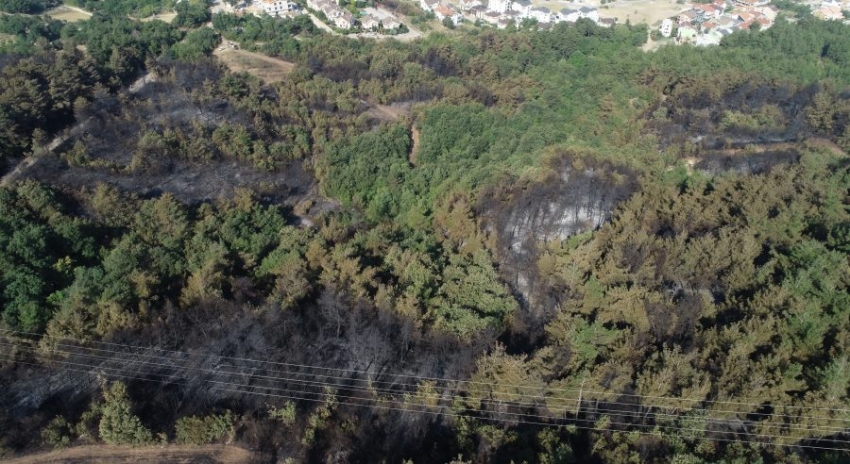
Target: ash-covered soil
x: 109, y: 144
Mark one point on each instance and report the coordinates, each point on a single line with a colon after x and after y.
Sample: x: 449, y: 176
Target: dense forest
x: 483, y: 246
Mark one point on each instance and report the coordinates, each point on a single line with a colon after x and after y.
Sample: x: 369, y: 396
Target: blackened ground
x: 368, y: 346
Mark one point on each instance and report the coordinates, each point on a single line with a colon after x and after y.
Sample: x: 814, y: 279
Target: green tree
x: 118, y: 425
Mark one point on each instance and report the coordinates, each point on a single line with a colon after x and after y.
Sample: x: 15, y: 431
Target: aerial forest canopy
x: 489, y: 246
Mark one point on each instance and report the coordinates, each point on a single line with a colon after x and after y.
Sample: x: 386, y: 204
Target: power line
x: 458, y: 415
x: 471, y: 382
x: 392, y: 391
x: 615, y: 413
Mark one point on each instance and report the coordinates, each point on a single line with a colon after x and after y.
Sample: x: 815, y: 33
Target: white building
x: 466, y: 5
x: 499, y: 6
x: 666, y: 27
x: 523, y: 7
x: 541, y: 14
x: 570, y: 15
x: 443, y: 11
x: 390, y: 24
x: 345, y: 20
x: 589, y: 13
x: 712, y: 38
x: 278, y: 7
x: 429, y: 5
x: 369, y: 22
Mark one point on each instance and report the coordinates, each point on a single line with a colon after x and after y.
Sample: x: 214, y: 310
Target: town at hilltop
x: 699, y: 23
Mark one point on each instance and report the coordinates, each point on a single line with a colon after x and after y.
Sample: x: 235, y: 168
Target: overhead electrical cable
x: 655, y: 432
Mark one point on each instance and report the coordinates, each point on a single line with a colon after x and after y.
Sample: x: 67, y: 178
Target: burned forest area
x: 478, y: 246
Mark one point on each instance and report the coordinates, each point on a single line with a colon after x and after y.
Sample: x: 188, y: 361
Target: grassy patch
x: 266, y: 68
x: 64, y: 13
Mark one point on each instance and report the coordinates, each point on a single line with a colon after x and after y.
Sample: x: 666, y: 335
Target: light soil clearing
x: 650, y: 12
x: 126, y: 454
x: 414, y: 150
x: 265, y: 67
x: 165, y: 17
x: 392, y: 112
x: 69, y: 13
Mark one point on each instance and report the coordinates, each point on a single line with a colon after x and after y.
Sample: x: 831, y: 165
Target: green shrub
x: 118, y: 425
x: 202, y: 430
x: 286, y: 414
x: 57, y: 434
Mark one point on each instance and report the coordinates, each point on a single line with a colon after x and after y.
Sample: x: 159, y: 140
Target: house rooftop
x: 541, y: 9
x: 586, y: 9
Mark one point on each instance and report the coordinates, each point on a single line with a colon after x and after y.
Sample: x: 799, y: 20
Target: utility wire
x: 393, y: 391
x: 608, y: 393
x: 457, y: 415
x: 615, y: 413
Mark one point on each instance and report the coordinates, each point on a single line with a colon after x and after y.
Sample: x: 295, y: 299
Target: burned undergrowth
x: 222, y: 356
x: 747, y: 123
x: 577, y: 195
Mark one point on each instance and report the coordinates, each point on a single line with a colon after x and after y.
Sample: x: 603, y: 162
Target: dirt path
x: 122, y: 454
x: 321, y: 25
x: 817, y: 142
x: 414, y: 150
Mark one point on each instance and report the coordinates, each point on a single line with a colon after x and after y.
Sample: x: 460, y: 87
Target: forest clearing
x: 69, y: 13
x: 264, y: 67
x: 650, y: 12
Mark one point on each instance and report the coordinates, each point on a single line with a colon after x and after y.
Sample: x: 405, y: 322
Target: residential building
x: 687, y: 17
x: 769, y: 11
x: 569, y: 15
x: 499, y: 6
x: 705, y: 40
x: 751, y: 3
x: 589, y: 13
x: 429, y: 5
x: 345, y: 20
x: 607, y: 22
x: 746, y: 16
x: 686, y: 34
x: 491, y: 17
x: 523, y: 7
x: 542, y: 14
x: 466, y: 5
x: 443, y: 11
x: 390, y: 24
x: 331, y: 10
x: 369, y: 22
x: 278, y: 7
x: 666, y: 27
x: 711, y: 12
x: 478, y: 12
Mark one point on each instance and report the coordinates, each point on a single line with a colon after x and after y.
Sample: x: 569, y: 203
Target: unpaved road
x: 414, y: 150
x: 151, y: 454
